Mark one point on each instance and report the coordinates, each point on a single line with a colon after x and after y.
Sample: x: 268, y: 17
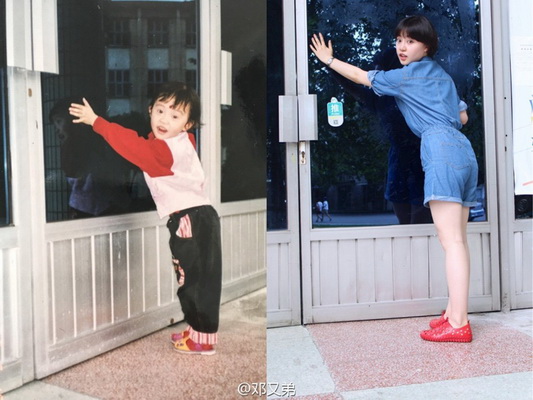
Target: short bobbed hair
x: 419, y: 28
x: 183, y: 95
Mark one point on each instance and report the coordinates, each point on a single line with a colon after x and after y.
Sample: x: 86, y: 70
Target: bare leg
x: 450, y: 220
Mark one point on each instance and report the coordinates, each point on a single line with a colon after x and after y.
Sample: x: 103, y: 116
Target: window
x: 244, y: 123
x: 114, y: 69
x: 276, y: 168
x: 369, y: 168
x: 155, y: 78
x: 118, y: 83
x: 118, y: 33
x: 190, y: 33
x: 158, y: 33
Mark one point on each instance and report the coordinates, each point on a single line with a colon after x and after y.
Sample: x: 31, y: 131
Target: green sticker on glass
x: 335, y: 112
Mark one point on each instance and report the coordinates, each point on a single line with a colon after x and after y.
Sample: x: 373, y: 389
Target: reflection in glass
x: 404, y: 187
x: 523, y: 205
x: 368, y: 174
x: 117, y: 68
x: 276, y: 174
x: 244, y: 123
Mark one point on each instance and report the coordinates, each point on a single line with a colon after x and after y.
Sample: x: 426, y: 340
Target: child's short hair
x: 183, y: 95
x: 419, y: 28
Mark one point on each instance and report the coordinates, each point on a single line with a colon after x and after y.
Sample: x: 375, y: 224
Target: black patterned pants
x: 200, y: 259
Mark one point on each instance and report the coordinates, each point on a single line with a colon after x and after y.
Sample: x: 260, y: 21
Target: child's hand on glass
x: 323, y: 52
x: 83, y: 112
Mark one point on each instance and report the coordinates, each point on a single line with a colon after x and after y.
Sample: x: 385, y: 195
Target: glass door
x: 369, y: 249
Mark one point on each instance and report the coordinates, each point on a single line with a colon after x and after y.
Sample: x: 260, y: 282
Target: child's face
x: 410, y: 50
x: 168, y: 121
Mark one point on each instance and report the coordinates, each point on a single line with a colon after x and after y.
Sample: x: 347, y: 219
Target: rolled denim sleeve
x: 462, y: 106
x: 385, y: 82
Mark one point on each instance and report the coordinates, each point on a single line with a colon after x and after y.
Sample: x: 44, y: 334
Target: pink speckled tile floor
x: 150, y: 369
x: 384, y: 353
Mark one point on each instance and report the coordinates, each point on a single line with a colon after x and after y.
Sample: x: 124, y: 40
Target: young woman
x: 427, y: 97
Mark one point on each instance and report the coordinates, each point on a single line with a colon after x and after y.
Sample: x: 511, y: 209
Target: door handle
x: 301, y: 151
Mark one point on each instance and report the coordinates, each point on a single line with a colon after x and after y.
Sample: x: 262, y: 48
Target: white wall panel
x: 419, y: 268
x: 284, y: 279
x: 347, y: 272
x: 9, y: 306
x: 476, y: 265
x: 487, y: 266
x: 383, y: 269
x: 437, y: 273
x: 386, y: 277
x: 105, y: 284
x: 102, y: 281
x: 328, y: 267
x: 522, y: 288
x: 401, y: 265
x: 366, y: 279
x: 151, y: 270
x: 136, y: 274
x: 273, y: 276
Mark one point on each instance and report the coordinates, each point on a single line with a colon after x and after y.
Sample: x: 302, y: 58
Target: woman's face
x: 410, y: 50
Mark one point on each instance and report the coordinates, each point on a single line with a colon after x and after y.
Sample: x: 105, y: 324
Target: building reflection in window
x: 114, y: 53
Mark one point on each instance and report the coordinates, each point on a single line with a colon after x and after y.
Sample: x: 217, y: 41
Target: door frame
x: 283, y: 246
x: 485, y: 234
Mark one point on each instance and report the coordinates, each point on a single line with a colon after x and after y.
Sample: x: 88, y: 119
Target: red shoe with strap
x: 187, y: 346
x: 447, y: 333
x: 176, y: 337
x: 434, y: 323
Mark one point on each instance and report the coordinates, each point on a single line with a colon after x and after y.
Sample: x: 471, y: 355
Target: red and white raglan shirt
x: 171, y: 167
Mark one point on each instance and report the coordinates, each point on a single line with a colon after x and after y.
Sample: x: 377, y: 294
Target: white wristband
x: 330, y: 60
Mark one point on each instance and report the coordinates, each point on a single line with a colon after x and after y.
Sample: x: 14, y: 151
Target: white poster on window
x: 522, y: 93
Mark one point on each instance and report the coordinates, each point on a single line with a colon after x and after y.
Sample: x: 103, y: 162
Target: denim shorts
x: 450, y: 166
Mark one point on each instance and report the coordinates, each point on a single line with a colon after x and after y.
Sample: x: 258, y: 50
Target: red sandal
x: 187, y: 346
x: 447, y: 333
x: 434, y: 323
x: 176, y: 337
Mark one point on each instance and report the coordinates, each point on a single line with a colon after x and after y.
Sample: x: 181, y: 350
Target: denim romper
x: 428, y: 100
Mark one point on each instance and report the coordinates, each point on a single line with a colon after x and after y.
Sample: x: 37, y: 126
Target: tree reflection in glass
x: 354, y: 165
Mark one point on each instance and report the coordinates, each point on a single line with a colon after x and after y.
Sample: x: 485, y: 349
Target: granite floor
x: 386, y: 359
x: 150, y: 369
x: 375, y: 360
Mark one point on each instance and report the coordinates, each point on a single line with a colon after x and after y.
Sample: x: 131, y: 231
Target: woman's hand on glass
x: 323, y: 51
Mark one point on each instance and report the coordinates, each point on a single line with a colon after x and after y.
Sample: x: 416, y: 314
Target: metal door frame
x: 283, y: 246
x: 487, y: 231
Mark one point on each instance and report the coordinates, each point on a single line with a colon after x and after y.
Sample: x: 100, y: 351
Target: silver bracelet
x: 330, y: 60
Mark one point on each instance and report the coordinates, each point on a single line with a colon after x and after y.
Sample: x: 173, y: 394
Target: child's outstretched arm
x: 325, y: 54
x: 83, y: 112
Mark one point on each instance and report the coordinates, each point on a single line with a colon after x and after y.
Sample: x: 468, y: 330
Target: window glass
x: 115, y: 54
x: 243, y: 123
x: 5, y: 184
x: 276, y: 171
x: 368, y: 169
